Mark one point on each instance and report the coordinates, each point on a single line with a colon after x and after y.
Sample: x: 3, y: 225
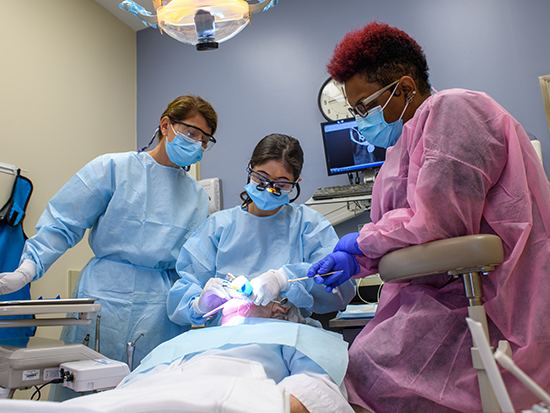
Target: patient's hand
x: 296, y: 406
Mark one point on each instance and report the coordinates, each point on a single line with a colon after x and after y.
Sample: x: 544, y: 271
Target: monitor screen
x: 346, y: 150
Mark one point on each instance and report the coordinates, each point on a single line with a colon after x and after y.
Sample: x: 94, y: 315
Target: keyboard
x: 343, y: 191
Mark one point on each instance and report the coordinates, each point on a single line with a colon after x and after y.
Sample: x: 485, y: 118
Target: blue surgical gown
x: 237, y: 242
x: 139, y: 214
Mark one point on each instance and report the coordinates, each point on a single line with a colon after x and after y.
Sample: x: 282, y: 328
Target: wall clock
x: 332, y: 102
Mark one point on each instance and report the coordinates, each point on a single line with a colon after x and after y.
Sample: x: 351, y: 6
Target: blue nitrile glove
x: 348, y: 243
x: 340, y: 261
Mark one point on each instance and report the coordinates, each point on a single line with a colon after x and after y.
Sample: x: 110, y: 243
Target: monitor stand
x: 369, y: 175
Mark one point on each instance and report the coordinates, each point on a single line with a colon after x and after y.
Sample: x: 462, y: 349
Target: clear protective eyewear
x: 264, y: 183
x: 197, y: 134
x: 361, y: 108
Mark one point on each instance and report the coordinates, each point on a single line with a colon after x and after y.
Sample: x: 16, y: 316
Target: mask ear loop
x: 297, y: 193
x: 392, y: 93
x: 151, y: 141
x: 409, y: 100
x: 248, y: 199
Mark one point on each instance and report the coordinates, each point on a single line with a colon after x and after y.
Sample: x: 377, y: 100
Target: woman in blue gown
x: 268, y: 239
x: 140, y: 208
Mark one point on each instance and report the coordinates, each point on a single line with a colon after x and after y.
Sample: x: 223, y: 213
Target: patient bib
x: 325, y: 348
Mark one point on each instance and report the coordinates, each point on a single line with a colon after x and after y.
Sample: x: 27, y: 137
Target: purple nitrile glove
x: 213, y: 295
x: 340, y: 261
x: 348, y: 243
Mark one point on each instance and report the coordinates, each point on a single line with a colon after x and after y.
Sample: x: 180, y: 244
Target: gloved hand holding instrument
x: 348, y: 243
x: 341, y: 260
x: 234, y: 287
x: 267, y: 286
x: 212, y: 296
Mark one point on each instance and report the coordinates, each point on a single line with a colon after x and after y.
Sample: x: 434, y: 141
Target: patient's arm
x: 296, y: 406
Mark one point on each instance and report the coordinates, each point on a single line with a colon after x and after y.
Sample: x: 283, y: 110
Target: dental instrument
x: 215, y: 310
x: 317, y: 275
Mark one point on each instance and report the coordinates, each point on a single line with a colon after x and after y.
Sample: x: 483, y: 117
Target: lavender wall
x: 267, y: 78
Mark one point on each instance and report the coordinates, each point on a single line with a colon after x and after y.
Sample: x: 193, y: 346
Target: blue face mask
x: 183, y: 151
x: 376, y: 130
x: 265, y: 200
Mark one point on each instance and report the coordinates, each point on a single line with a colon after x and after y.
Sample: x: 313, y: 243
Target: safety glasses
x: 197, y: 134
x: 264, y: 183
x: 361, y: 108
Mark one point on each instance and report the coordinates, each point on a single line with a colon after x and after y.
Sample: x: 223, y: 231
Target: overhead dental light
x: 203, y: 23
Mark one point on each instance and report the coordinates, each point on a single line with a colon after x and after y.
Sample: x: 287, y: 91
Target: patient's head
x: 281, y: 309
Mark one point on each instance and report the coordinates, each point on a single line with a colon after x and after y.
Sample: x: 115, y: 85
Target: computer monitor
x: 347, y: 151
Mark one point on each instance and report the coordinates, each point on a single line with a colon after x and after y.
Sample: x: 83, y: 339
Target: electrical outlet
x: 213, y: 187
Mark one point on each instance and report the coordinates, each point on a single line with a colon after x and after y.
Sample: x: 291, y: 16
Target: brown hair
x: 183, y: 107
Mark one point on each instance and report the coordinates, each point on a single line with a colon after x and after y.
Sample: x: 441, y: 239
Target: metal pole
x: 97, y: 322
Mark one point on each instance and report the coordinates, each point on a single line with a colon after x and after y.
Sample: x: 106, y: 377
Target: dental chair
x: 469, y: 257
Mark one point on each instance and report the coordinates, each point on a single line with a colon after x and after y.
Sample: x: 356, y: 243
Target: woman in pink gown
x: 457, y: 164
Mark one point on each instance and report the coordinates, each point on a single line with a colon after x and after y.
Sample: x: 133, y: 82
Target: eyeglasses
x: 197, y: 134
x: 275, y: 187
x: 361, y: 108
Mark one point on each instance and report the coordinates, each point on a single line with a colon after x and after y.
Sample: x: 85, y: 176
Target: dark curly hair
x: 380, y: 53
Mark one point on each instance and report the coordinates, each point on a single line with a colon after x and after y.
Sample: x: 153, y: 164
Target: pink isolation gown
x: 462, y: 166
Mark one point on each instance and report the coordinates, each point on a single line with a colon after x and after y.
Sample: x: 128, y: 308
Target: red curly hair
x: 380, y: 53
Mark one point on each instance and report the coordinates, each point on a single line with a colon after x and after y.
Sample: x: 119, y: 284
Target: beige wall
x: 67, y: 95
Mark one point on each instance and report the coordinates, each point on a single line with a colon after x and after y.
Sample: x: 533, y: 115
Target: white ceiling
x: 126, y: 16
